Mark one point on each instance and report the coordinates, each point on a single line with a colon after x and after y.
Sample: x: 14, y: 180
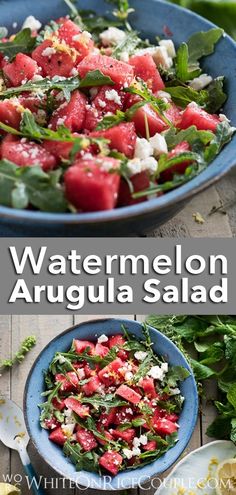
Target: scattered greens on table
x: 214, y: 339
x: 19, y: 356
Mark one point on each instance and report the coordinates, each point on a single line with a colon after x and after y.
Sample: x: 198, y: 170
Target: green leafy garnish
x: 183, y: 71
x: 128, y: 45
x: 203, y: 44
x: 19, y: 356
x: 23, y: 42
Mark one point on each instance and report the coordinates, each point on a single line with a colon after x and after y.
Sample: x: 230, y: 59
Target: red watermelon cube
x: 111, y: 461
x: 145, y: 68
x: 22, y: 69
x: 120, y: 72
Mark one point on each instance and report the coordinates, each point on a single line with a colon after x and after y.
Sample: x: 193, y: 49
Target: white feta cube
x: 158, y: 144
x: 128, y: 453
x: 112, y: 36
x: 149, y: 164
x: 102, y: 338
x: 170, y: 47
x: 112, y: 95
x: 31, y: 23
x: 140, y: 355
x: 161, y: 57
x: 143, y: 149
x: 200, y: 82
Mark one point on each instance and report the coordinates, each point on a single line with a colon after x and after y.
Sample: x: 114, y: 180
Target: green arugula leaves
x: 23, y: 42
x: 214, y: 338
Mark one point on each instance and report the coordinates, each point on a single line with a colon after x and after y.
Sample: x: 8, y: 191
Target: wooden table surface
x: 13, y: 329
x: 216, y: 225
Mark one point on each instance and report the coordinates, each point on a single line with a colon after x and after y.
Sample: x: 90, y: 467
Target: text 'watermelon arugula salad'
x: 93, y: 117
x: 112, y: 404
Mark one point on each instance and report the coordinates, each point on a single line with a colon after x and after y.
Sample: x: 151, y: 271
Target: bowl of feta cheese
x: 181, y: 381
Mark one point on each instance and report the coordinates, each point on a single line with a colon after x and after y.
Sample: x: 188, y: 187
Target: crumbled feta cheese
x: 128, y: 375
x: 81, y: 373
x: 128, y: 453
x: 158, y: 144
x: 170, y: 47
x: 14, y: 25
x: 61, y: 359
x: 61, y: 121
x: 74, y: 72
x: 164, y: 95
x: 124, y: 57
x: 140, y: 355
x: 112, y: 95
x: 31, y: 23
x: 101, y: 103
x: 136, y: 451
x: 174, y: 391
x: 143, y: 439
x: 161, y: 57
x: 112, y: 36
x: 134, y: 166
x: 36, y: 78
x: 143, y: 149
x: 193, y: 104
x: 136, y: 442
x: 24, y: 81
x: 49, y: 51
x: 200, y: 82
x: 102, y: 338
x: 158, y: 372
x: 129, y: 411
x: 106, y: 166
x: 68, y: 430
x: 223, y: 118
x: 149, y: 164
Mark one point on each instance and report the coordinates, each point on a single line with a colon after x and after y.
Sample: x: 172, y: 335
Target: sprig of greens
x: 23, y: 42
x: 25, y: 347
x: 214, y: 338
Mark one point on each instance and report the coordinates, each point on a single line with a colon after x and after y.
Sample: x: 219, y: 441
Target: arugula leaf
x: 83, y: 460
x: 216, y: 95
x: 191, y: 135
x: 111, y: 120
x: 95, y: 78
x: 233, y: 430
x: 23, y: 42
x: 157, y: 104
x: 177, y: 374
x: 220, y: 428
x: 223, y: 135
x: 183, y: 70
x: 231, y: 395
x: 21, y: 186
x: 108, y: 401
x: 203, y: 43
x: 183, y: 95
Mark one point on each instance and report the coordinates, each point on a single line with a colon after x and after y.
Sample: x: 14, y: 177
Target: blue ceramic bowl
x: 53, y: 454
x: 150, y: 18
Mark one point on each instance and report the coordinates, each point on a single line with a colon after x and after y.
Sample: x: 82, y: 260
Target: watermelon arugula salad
x: 93, y: 117
x: 112, y: 404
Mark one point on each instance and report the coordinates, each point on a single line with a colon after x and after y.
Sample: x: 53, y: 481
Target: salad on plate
x: 94, y: 117
x: 112, y: 404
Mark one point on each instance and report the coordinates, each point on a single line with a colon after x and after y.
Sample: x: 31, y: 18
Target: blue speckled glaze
x: 150, y: 18
x: 53, y: 454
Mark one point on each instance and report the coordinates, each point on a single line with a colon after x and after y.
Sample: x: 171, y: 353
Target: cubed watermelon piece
x: 92, y: 118
x: 128, y: 394
x: 150, y: 446
x: 194, y: 115
x: 147, y: 384
x: 22, y: 69
x: 146, y: 69
x: 70, y: 381
x: 51, y: 424
x: 53, y: 60
x: 77, y: 407
x: 33, y: 103
x: 180, y: 168
x: 110, y: 375
x: 120, y: 72
x: 86, y: 439
x: 105, y: 434
x: 122, y: 138
x: 101, y: 350
x: 74, y: 37
x: 83, y: 345
x: 109, y: 99
x: 57, y: 436
x: 92, y: 386
x: 140, y: 182
x: 147, y: 114
x: 10, y: 113
x: 72, y: 114
x: 111, y: 461
x: 123, y: 414
x: 107, y: 418
x: 90, y: 371
x: 27, y: 153
x: 58, y: 404
x: 172, y: 417
x: 89, y: 185
x: 126, y: 435
x: 118, y: 340
x: 164, y: 427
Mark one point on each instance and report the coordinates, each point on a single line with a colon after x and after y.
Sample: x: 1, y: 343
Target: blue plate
x: 150, y: 18
x: 53, y: 454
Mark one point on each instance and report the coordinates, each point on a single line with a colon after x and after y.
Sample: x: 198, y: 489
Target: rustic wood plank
x: 45, y: 328
x: 5, y: 386
x: 184, y: 225
x: 227, y: 193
